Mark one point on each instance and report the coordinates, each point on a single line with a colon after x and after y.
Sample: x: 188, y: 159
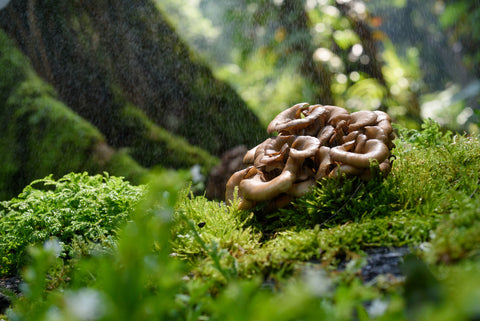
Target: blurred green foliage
x: 400, y: 56
x: 461, y: 17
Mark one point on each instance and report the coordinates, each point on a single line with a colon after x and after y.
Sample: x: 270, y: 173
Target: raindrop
x: 464, y: 115
x: 398, y: 72
x: 54, y: 246
x: 352, y: 57
x: 196, y: 173
x: 317, y: 281
x: 359, y: 8
x: 439, y: 7
x: 403, y: 82
x: 395, y: 89
x: 85, y: 304
x: 377, y: 308
x: 336, y: 62
x: 376, y: 103
x: 457, y: 47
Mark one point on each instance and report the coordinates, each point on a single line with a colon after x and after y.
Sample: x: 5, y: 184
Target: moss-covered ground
x: 183, y: 257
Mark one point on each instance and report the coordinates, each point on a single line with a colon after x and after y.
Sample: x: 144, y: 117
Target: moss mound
x: 81, y: 212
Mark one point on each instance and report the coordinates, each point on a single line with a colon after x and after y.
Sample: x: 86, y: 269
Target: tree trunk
x: 104, y: 55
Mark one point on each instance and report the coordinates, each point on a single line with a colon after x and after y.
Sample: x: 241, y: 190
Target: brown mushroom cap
x: 345, y: 169
x: 301, y: 188
x: 360, y: 143
x: 299, y: 119
x: 324, y: 160
x: 257, y: 189
x: 273, y: 152
x: 384, y: 121
x: 375, y: 132
x: 314, y: 141
x: 374, y: 149
x: 361, y: 119
x: 250, y: 155
x: 325, y: 134
x: 304, y: 147
x: 351, y: 136
x: 339, y: 132
x: 285, y: 117
x: 317, y: 116
x: 335, y: 111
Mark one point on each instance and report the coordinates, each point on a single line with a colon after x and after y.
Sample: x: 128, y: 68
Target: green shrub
x: 77, y: 210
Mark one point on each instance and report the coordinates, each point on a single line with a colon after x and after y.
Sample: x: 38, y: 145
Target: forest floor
x: 396, y: 248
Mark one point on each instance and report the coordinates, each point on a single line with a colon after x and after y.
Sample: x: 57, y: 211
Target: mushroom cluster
x: 313, y: 141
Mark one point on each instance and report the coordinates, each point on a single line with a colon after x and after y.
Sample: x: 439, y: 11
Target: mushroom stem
x: 323, y: 155
x: 345, y: 169
x: 301, y: 188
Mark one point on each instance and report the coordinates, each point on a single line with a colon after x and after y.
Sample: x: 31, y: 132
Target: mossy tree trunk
x: 39, y: 135
x: 104, y: 57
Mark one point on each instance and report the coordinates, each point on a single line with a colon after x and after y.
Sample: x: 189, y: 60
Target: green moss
x: 52, y: 134
x: 233, y: 263
x: 343, y: 217
x: 39, y: 135
x: 155, y: 145
x: 457, y: 238
x: 123, y: 165
x: 78, y: 210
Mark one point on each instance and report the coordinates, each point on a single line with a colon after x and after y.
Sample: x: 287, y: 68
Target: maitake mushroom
x: 313, y: 141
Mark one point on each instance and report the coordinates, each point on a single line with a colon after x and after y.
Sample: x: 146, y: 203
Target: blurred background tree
x: 415, y: 59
